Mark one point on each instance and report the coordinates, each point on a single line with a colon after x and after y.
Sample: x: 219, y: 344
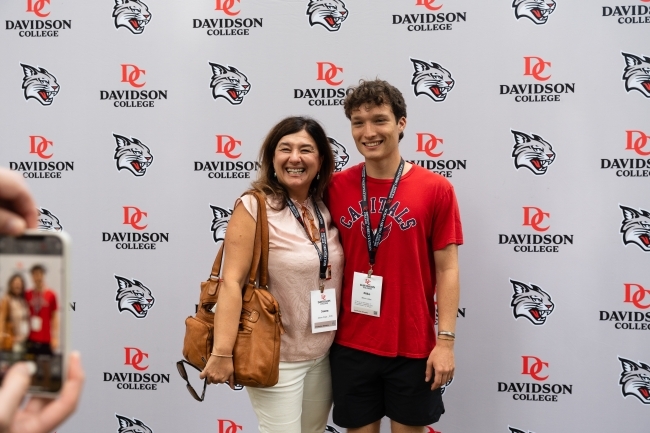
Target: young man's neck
x: 385, y: 168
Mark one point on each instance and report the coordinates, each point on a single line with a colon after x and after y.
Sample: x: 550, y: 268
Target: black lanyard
x: 323, y: 257
x: 374, y: 241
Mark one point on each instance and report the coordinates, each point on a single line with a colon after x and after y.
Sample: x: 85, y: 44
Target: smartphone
x: 33, y: 299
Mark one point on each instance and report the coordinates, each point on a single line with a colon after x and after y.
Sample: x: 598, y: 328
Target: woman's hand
x: 219, y: 370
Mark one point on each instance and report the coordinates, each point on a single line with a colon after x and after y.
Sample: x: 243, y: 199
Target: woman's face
x: 16, y: 286
x: 296, y: 163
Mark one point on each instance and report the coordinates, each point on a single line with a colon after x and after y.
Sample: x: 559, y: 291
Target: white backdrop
x: 582, y: 125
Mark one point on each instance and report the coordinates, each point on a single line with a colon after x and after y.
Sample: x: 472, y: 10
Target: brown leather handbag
x: 256, y: 355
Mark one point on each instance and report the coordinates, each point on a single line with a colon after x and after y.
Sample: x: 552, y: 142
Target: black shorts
x: 367, y: 387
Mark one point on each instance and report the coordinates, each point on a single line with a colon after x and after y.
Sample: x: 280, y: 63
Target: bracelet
x: 446, y: 339
x: 220, y: 356
x: 448, y: 334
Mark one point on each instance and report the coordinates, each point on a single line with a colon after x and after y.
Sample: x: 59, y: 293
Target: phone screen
x: 32, y: 307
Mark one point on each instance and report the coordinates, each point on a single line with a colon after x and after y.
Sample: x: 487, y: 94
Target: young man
x: 44, y: 321
x: 400, y: 228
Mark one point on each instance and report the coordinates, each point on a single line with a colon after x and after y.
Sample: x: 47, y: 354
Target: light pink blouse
x: 293, y: 274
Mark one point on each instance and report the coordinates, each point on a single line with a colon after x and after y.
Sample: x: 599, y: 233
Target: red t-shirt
x: 424, y: 217
x: 44, y: 307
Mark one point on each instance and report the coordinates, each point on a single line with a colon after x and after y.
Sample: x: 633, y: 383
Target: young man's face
x: 37, y: 276
x: 376, y: 131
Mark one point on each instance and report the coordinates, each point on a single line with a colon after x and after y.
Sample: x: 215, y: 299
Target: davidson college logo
x: 432, y: 20
x: 637, y: 74
x: 430, y: 145
x: 39, y: 84
x: 537, y: 370
x: 635, y: 227
x: 539, y: 70
x: 636, y: 141
x: 137, y: 97
x: 636, y: 296
x: 537, y: 11
x: 136, y: 219
x: 635, y: 380
x: 138, y: 380
x: 330, y: 74
x: 531, y: 302
x: 537, y: 220
x: 230, y: 168
x: 532, y: 152
x: 134, y: 297
x: 132, y: 14
x: 233, y: 25
x: 41, y: 26
x: 132, y: 155
x: 44, y: 168
x: 632, y: 14
x: 432, y: 80
x: 327, y: 13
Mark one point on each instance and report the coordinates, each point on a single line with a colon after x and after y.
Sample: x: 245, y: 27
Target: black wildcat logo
x: 636, y: 227
x: 47, y: 221
x: 221, y: 217
x: 127, y: 425
x: 637, y: 74
x: 635, y: 380
x: 532, y: 152
x: 341, y: 157
x: 531, y: 302
x: 134, y: 297
x: 39, y: 84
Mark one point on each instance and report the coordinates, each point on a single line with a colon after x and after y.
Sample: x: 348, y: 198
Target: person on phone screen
x: 44, y: 321
x: 14, y: 316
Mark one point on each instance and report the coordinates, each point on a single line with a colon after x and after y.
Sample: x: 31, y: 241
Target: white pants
x: 301, y: 400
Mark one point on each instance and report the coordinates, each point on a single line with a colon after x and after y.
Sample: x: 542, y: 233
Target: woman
x: 14, y: 316
x: 296, y: 165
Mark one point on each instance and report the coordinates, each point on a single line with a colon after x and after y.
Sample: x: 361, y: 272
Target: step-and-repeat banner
x: 137, y: 124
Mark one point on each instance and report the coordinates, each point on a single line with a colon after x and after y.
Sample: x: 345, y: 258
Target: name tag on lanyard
x: 323, y: 310
x: 366, y: 294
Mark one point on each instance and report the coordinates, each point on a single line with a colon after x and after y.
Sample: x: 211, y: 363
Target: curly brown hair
x: 268, y: 184
x: 375, y: 92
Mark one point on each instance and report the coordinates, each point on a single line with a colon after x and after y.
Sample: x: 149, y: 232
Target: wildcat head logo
x: 636, y: 227
x: 39, y: 84
x: 132, y: 155
x: 134, y: 425
x: 221, y: 217
x: 431, y: 79
x: 532, y: 152
x: 444, y: 387
x: 133, y: 296
x: 535, y: 10
x: 327, y: 13
x: 228, y: 83
x: 47, y: 221
x: 531, y: 302
x: 637, y: 74
x: 341, y: 157
x: 516, y: 430
x: 635, y: 380
x: 132, y: 14
x: 331, y: 429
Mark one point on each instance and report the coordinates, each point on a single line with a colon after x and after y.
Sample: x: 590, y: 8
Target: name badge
x: 323, y: 310
x: 36, y: 323
x: 366, y: 294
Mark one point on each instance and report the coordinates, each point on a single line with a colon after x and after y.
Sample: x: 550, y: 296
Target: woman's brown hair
x: 11, y: 280
x: 268, y: 183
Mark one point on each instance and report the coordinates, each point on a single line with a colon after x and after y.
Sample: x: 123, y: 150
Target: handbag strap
x: 260, y: 250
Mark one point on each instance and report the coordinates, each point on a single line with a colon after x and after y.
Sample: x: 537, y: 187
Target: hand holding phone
x: 39, y: 415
